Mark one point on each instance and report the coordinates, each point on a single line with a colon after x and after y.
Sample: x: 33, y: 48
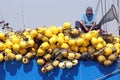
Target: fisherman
x: 88, y: 21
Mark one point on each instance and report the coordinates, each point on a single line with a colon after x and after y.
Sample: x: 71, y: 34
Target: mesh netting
x: 109, y: 16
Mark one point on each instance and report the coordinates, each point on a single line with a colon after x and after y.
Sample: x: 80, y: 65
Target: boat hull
x: 85, y: 70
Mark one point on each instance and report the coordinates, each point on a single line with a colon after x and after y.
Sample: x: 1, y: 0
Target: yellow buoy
x: 107, y: 62
x: 67, y: 25
x: 39, y: 36
x: 72, y: 42
x: 9, y: 44
x: 94, y: 41
x: 18, y: 57
x: 85, y: 43
x: 2, y: 46
x: 88, y: 36
x: 23, y: 51
x: 45, y: 45
x: 108, y: 51
x: 117, y: 45
x: 100, y: 39
x: 80, y: 41
x: 53, y: 46
x: 60, y: 40
x: 48, y: 33
x: 40, y: 61
x: 101, y: 58
x: 30, y: 43
x: 65, y: 46
x: 40, y: 52
x: 94, y: 33
x: 60, y: 29
x: 2, y: 35
x: 1, y: 57
x: 16, y: 47
x: 55, y: 63
x: 66, y: 39
x: 47, y: 57
x: 52, y: 40
x: 71, y: 56
x: 23, y: 44
x: 99, y: 46
x: 41, y: 30
x: 15, y: 39
x: 83, y: 49
x: 110, y: 45
x: 75, y: 32
x: 54, y: 29
x: 61, y: 35
x: 33, y: 33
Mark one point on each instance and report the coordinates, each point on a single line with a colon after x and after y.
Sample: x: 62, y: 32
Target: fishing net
x: 109, y: 16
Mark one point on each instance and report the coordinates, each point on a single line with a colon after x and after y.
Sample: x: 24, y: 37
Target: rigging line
x: 96, y: 10
x: 113, y: 2
x: 22, y: 13
x: 105, y: 13
x: 109, y: 74
x: 115, y: 31
x: 102, y: 10
x: 118, y: 2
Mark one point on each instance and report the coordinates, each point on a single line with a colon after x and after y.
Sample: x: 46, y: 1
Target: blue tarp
x: 85, y: 70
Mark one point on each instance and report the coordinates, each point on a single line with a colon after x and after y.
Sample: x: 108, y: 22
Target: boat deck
x: 85, y: 70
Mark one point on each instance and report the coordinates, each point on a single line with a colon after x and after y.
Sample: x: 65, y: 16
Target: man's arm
x: 94, y: 22
x: 83, y: 23
x: 93, y: 25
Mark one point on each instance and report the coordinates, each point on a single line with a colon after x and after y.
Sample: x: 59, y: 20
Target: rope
x: 102, y: 10
x: 22, y: 13
x: 112, y: 73
x: 96, y: 10
x: 113, y: 2
x: 107, y: 75
x: 118, y: 2
x: 115, y: 31
x: 105, y: 13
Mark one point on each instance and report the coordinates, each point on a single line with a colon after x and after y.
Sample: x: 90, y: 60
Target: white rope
x: 107, y: 75
x: 112, y: 73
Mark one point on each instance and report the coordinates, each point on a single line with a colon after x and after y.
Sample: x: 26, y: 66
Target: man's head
x: 89, y: 11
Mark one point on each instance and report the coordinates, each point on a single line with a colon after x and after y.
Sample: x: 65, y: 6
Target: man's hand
x: 93, y: 25
x: 79, y: 29
x: 83, y: 23
x: 86, y: 29
x: 91, y: 29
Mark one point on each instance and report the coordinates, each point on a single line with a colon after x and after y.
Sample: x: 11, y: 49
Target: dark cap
x: 89, y: 9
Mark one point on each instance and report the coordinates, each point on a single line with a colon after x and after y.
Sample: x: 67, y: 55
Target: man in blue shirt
x: 88, y: 21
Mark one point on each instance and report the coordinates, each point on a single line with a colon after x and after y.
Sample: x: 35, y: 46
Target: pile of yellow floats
x: 59, y: 47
